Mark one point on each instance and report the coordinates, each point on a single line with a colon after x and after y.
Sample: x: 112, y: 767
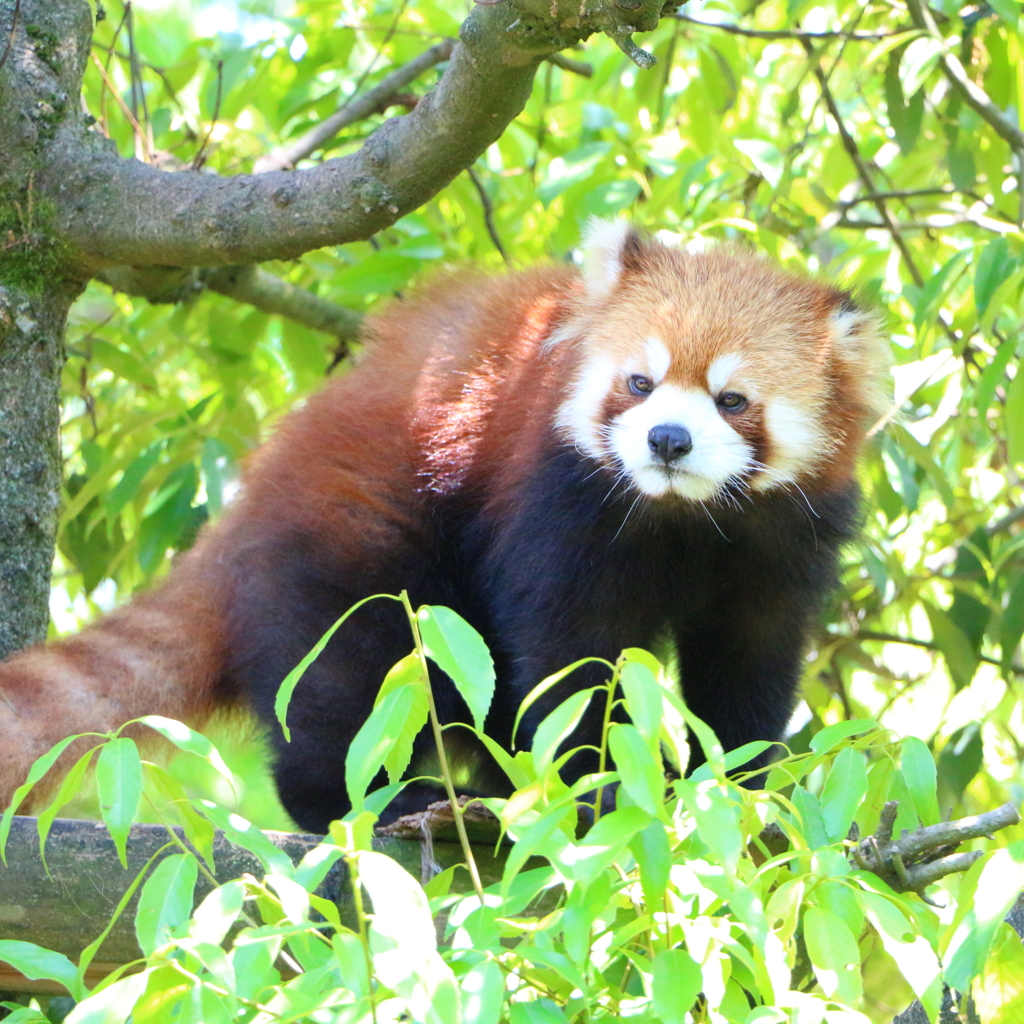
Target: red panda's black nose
x: 669, y: 442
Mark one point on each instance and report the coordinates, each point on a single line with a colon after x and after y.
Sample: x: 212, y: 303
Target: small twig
x: 941, y: 220
x: 576, y: 67
x: 112, y: 89
x: 10, y: 35
x: 928, y: 645
x: 913, y: 193
x: 641, y: 58
x: 286, y: 157
x: 488, y: 206
x: 1015, y: 515
x: 757, y: 33
x: 138, y: 94
x: 200, y: 157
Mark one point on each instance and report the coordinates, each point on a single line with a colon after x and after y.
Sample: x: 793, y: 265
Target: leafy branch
x: 972, y: 94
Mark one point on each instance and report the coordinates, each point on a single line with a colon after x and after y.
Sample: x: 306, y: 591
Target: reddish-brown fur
x: 456, y: 393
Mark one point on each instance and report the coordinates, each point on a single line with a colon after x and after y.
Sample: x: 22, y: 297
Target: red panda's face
x: 715, y: 373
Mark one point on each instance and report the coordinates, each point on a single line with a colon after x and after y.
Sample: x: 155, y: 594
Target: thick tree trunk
x: 43, y: 61
x: 31, y: 356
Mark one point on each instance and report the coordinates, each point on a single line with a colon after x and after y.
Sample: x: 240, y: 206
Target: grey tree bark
x: 39, y: 84
x: 72, y: 209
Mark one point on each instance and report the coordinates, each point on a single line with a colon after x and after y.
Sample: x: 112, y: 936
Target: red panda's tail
x: 162, y: 654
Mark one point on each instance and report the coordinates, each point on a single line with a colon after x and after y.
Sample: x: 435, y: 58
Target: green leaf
x: 249, y: 837
x: 845, y: 787
x: 1014, y: 413
x: 834, y: 955
x: 404, y: 944
x: 832, y: 735
x: 574, y: 167
x: 919, y: 60
x: 460, y: 651
x: 214, y: 917
x: 39, y: 768
x: 960, y: 657
x: 653, y: 854
x: 558, y: 726
x: 641, y: 773
x: 1001, y: 879
x: 603, y: 844
x: 35, y: 963
x: 384, y: 737
x: 733, y: 759
x: 675, y: 984
x: 811, y: 819
x: 993, y: 374
x: 1008, y: 10
x: 188, y: 740
x: 537, y: 1011
x: 70, y: 786
x: 717, y: 816
x: 918, y: 768
x: 932, y: 295
x: 119, y: 781
x: 546, y: 684
x: 483, y: 993
x: 287, y: 687
x: 407, y: 674
x: 643, y: 700
x: 124, y: 364
x: 990, y: 270
x: 166, y: 901
x: 904, y: 117
x: 961, y: 759
x: 112, y: 1004
x: 914, y: 957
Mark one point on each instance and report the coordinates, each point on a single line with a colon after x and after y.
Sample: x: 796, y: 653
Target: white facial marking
x: 578, y: 415
x: 795, y: 440
x: 602, y: 255
x: 721, y: 372
x: 658, y: 359
x: 719, y: 454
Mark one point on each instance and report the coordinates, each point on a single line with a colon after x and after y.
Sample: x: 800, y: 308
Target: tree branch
x: 250, y: 284
x: 575, y: 67
x: 285, y: 157
x: 115, y: 212
x: 853, y: 152
x: 758, y: 33
x: 273, y: 295
x: 918, y: 859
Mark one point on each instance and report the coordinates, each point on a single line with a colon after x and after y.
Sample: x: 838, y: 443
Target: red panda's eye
x: 640, y: 385
x: 732, y: 401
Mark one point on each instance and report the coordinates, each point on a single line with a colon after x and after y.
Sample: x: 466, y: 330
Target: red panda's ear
x: 611, y: 248
x: 861, y: 350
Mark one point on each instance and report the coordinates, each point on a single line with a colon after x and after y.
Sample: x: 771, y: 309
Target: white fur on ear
x: 602, y: 255
x: 860, y: 345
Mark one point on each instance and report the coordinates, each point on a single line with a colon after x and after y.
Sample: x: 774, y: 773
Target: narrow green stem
x: 352, y: 861
x: 609, y: 703
x: 446, y: 774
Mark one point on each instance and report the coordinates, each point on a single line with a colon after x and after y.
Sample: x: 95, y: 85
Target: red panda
x: 660, y: 448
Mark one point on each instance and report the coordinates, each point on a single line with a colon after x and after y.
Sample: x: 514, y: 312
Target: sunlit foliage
x: 730, y: 136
